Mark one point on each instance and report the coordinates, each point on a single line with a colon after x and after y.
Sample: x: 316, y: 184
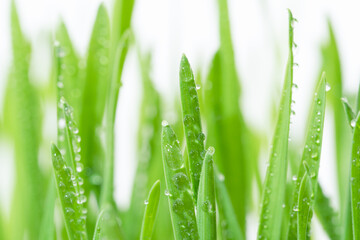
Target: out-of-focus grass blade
x: 311, y: 153
x: 47, y: 228
x: 178, y: 186
x: 22, y: 120
x: 355, y: 180
x: 326, y: 215
x: 229, y: 226
x: 121, y: 18
x: 151, y: 209
x: 206, y: 209
x: 192, y: 123
x: 93, y: 105
x: 275, y: 181
x: 304, y: 208
x: 70, y: 198
x: 108, y: 225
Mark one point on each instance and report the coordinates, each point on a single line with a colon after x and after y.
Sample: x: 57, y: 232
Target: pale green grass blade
x: 192, y: 123
x: 47, y: 228
x: 304, y: 208
x: 275, y: 180
x: 93, y: 105
x: 355, y: 180
x: 122, y: 14
x: 22, y: 120
x: 311, y: 153
x: 206, y: 208
x: 327, y: 216
x: 351, y: 117
x: 151, y: 210
x: 178, y: 186
x: 108, y: 225
x: 70, y: 198
x: 229, y: 226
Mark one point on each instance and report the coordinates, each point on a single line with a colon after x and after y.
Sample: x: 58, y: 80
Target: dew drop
x: 197, y: 86
x: 146, y: 202
x: 328, y: 87
x: 164, y: 123
x: 353, y: 122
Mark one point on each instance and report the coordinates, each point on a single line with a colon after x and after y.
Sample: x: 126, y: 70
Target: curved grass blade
x: 206, y: 208
x: 93, y: 105
x: 178, y: 186
x: 355, y: 181
x: 229, y: 226
x: 311, y: 153
x: 108, y: 225
x: 151, y: 209
x: 304, y: 207
x: 192, y: 123
x: 70, y: 198
x: 121, y: 19
x: 275, y: 181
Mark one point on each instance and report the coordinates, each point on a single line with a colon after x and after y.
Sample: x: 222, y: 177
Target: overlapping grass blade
x: 108, y: 225
x: 178, y: 186
x: 228, y: 223
x: 275, y: 181
x: 311, y: 155
x: 121, y: 19
x: 192, y: 123
x: 93, y: 105
x: 70, y: 197
x: 206, y: 208
x: 47, y: 228
x: 151, y: 209
x: 22, y: 120
x: 304, y: 207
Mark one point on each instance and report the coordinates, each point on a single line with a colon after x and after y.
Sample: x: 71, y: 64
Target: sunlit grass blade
x: 178, y: 186
x: 47, y: 229
x: 311, y: 153
x: 93, y: 106
x: 122, y: 14
x: 275, y: 181
x: 304, y: 207
x: 229, y: 226
x: 151, y: 209
x: 70, y: 198
x: 355, y: 180
x: 192, y: 123
x: 108, y: 225
x: 327, y: 216
x: 351, y: 117
x: 206, y: 208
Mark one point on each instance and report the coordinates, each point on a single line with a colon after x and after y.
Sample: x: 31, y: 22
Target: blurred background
x: 168, y: 28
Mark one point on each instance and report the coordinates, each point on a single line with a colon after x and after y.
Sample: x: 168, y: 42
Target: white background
x: 169, y: 28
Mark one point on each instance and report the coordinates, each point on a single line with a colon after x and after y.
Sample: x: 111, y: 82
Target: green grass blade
x: 178, y: 186
x: 206, y: 208
x: 93, y: 105
x: 47, y: 228
x: 275, y: 181
x: 327, y: 216
x: 351, y: 117
x: 70, y: 198
x: 304, y: 208
x: 355, y: 180
x: 122, y: 14
x: 229, y: 226
x: 108, y: 225
x: 192, y: 123
x: 311, y: 153
x: 151, y: 209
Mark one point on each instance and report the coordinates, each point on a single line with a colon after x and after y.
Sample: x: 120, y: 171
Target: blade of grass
x: 151, y: 209
x: 275, y: 181
x: 47, y: 228
x: 178, y: 186
x: 192, y: 123
x: 351, y: 117
x: 304, y: 207
x: 206, y: 208
x: 108, y: 225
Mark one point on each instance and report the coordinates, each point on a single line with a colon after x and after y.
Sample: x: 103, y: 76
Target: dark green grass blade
x: 70, y: 198
x: 355, y: 180
x: 311, y: 153
x: 93, y: 105
x: 22, y: 120
x: 178, y: 186
x: 275, y: 181
x: 47, y: 228
x: 206, y: 208
x: 151, y: 209
x: 229, y: 226
x: 108, y: 225
x: 304, y: 208
x: 192, y: 123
